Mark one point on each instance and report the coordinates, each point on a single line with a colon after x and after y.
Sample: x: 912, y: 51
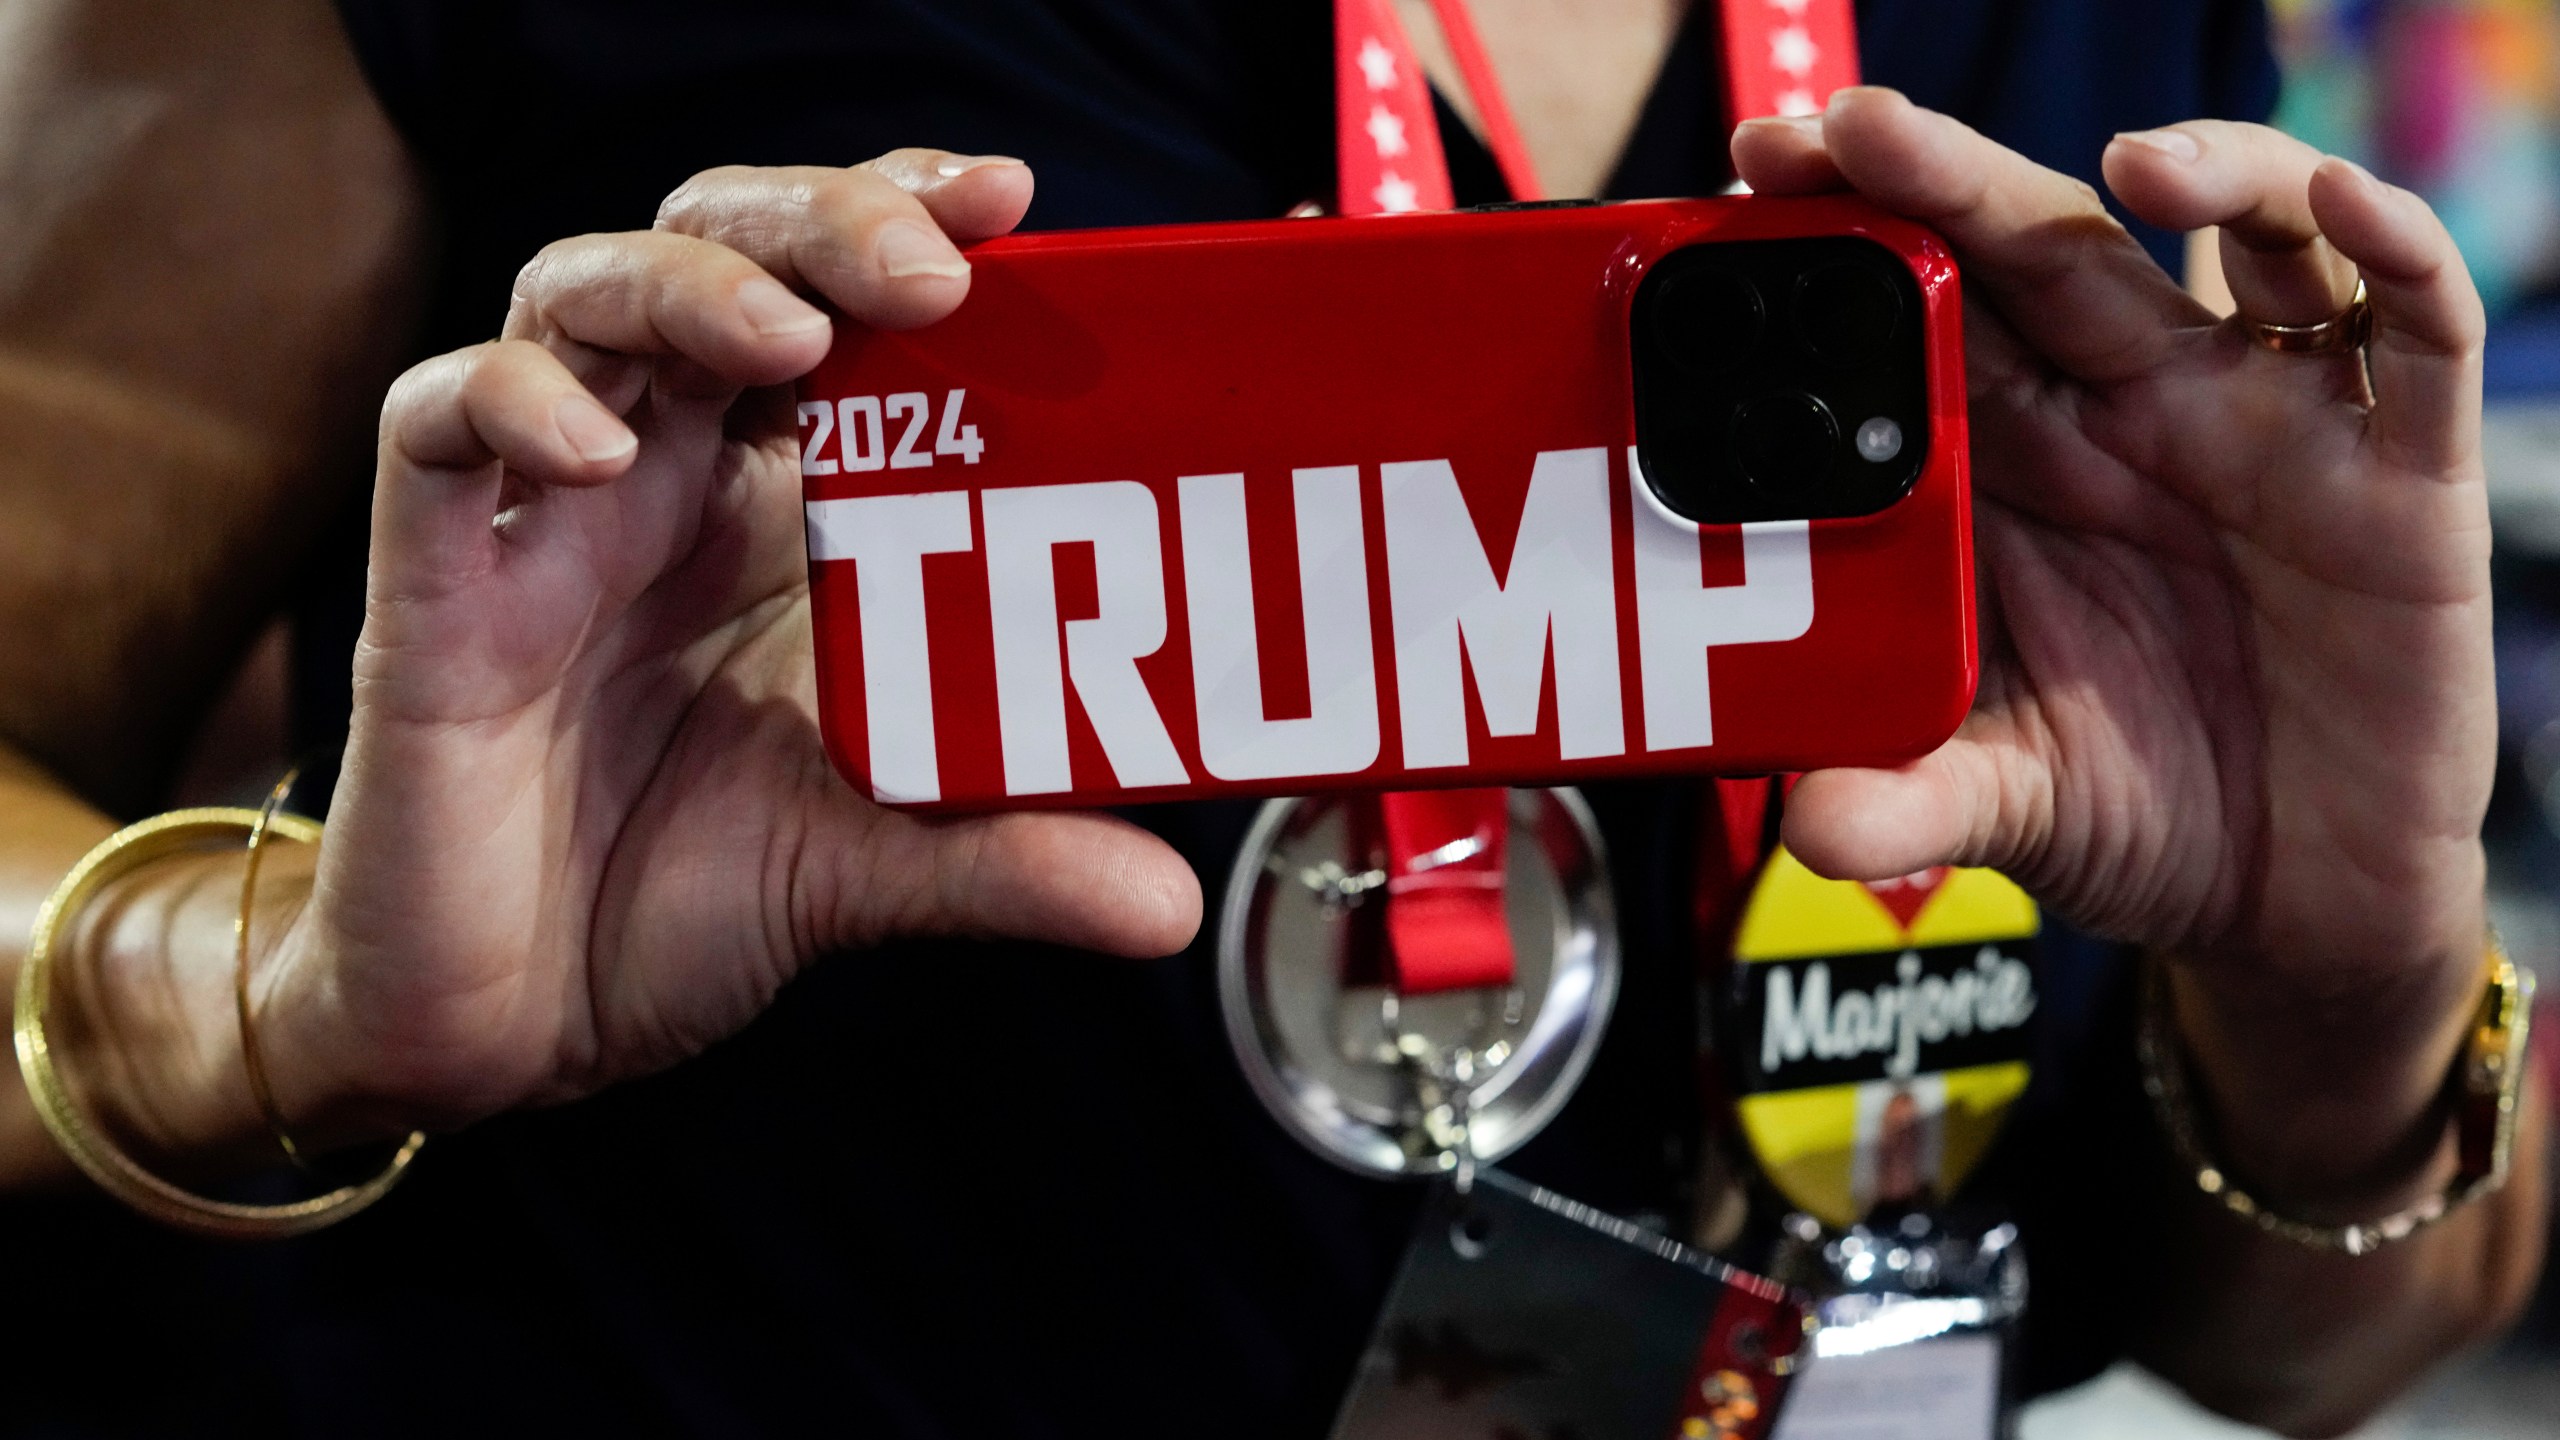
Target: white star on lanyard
x: 1395, y: 195
x: 1377, y: 63
x: 1798, y: 101
x: 1386, y: 131
x: 1792, y: 50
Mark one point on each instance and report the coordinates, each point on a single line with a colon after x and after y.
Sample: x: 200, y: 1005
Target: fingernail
x: 2178, y: 145
x: 597, y: 434
x: 907, y: 248
x: 774, y: 310
x: 954, y: 165
x: 2364, y: 177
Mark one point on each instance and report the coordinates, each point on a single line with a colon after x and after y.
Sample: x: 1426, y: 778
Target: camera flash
x: 1879, y: 440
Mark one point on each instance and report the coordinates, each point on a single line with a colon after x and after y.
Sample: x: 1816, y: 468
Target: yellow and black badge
x: 1878, y: 1032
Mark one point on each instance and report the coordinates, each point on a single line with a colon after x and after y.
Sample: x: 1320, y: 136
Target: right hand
x: 586, y: 827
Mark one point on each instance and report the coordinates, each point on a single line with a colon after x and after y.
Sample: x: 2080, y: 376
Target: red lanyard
x: 1785, y: 57
x: 1493, y: 112
x: 1445, y: 921
x: 1781, y: 57
x: 1446, y: 854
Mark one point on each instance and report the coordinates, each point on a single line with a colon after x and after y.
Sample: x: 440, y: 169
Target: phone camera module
x: 1708, y: 319
x: 1785, y: 441
x: 1782, y: 379
x: 1846, y: 314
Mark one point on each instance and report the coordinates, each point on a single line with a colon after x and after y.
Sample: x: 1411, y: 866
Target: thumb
x: 1967, y: 803
x: 1092, y: 882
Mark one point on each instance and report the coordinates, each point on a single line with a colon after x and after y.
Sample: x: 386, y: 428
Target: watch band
x: 2485, y: 1085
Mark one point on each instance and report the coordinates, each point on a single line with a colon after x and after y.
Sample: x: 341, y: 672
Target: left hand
x: 2237, y: 696
x: 587, y: 828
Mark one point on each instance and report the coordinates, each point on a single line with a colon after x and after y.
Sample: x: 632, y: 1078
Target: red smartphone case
x: 1303, y: 505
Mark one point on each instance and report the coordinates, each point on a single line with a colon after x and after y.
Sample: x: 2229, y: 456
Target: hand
x: 585, y: 827
x: 2237, y: 696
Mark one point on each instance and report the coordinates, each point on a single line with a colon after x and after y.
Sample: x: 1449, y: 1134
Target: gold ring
x: 2349, y: 329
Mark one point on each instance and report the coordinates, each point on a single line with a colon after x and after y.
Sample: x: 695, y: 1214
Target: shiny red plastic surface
x: 1221, y: 392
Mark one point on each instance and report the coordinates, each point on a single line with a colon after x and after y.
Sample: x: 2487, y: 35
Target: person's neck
x: 1575, y: 73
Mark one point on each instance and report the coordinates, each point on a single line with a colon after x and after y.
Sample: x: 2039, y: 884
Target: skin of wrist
x: 145, y: 1018
x: 2329, y: 1100
x: 314, y: 1063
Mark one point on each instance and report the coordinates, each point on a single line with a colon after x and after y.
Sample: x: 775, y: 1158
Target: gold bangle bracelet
x: 98, y: 1157
x: 272, y: 821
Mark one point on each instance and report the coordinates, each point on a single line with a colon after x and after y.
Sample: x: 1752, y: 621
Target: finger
x: 2036, y: 244
x: 871, y: 239
x: 1088, y: 881
x: 454, y: 427
x: 1783, y: 155
x: 508, y: 402
x: 655, y: 293
x: 1956, y: 806
x: 972, y: 197
x: 2253, y: 182
x: 2429, y: 326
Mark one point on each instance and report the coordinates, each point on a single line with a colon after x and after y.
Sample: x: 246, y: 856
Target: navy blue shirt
x: 971, y: 1189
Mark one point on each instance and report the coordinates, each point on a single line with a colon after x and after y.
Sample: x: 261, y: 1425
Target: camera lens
x: 1708, y: 320
x: 1846, y: 314
x: 1879, y: 440
x: 1785, y: 440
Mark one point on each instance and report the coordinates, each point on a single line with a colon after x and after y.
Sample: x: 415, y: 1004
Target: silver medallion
x: 1414, y: 1085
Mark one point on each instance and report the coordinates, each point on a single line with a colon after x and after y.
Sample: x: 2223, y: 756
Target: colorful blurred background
x: 2459, y: 101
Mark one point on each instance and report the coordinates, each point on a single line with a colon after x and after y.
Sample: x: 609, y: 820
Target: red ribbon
x: 1493, y: 112
x: 1780, y: 57
x: 1446, y: 925
x: 1445, y: 921
x: 1785, y: 57
x: 1387, y: 151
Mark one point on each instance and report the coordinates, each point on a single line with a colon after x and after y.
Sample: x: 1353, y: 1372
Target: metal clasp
x: 1339, y: 891
x: 1447, y: 1044
x: 1447, y: 1069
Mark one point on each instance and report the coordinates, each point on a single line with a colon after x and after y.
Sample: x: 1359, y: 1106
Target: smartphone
x: 1536, y: 494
